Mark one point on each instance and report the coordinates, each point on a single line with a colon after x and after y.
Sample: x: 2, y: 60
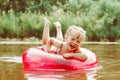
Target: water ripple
x: 16, y: 59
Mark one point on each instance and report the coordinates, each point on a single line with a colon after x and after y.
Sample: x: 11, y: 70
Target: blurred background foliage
x: 24, y: 18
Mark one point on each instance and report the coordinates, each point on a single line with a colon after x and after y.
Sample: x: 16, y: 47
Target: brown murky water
x: 11, y: 67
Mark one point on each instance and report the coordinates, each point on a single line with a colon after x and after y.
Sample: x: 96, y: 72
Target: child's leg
x: 59, y: 31
x: 46, y: 34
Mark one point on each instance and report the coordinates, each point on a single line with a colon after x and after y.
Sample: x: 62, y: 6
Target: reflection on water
x: 108, y: 69
x: 59, y: 75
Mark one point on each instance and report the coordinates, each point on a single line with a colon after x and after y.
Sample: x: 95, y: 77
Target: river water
x: 11, y: 67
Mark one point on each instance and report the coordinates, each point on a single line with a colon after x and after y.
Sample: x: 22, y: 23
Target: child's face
x: 73, y: 42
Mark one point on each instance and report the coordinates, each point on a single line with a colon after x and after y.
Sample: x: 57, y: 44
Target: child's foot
x: 57, y: 25
x: 46, y: 22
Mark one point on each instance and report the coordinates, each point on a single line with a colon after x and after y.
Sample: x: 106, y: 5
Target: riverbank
x: 39, y: 42
x: 36, y: 41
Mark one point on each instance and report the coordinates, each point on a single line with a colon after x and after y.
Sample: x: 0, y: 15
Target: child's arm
x: 79, y: 56
x: 53, y: 42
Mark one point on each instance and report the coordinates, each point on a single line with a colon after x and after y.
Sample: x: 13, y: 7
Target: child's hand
x: 57, y: 24
x: 67, y: 56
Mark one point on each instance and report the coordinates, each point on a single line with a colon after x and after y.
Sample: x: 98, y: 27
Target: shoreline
x: 39, y: 42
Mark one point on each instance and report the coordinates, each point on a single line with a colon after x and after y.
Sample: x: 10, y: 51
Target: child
x: 46, y: 35
x: 73, y: 38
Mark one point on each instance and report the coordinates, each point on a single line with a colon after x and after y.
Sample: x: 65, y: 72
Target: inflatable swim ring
x: 37, y: 58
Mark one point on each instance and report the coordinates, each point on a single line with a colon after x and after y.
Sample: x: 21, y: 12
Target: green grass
x: 98, y: 25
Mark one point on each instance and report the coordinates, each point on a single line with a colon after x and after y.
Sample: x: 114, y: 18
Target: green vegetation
x: 100, y: 18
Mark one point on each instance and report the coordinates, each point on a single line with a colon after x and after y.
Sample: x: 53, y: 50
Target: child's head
x: 76, y: 31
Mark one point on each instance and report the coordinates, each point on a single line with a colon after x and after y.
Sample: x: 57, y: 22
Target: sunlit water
x: 11, y: 67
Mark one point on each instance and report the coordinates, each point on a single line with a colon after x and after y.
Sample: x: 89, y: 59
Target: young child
x: 70, y: 47
x: 46, y: 35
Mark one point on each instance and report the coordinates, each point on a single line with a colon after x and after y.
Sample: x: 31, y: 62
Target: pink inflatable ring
x: 37, y: 58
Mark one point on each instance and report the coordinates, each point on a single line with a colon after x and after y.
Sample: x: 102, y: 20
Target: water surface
x: 11, y: 67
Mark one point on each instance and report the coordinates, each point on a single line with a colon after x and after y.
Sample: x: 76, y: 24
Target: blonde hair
x: 76, y: 30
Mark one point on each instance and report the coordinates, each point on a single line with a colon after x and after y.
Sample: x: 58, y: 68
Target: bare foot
x: 46, y: 22
x: 57, y: 24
